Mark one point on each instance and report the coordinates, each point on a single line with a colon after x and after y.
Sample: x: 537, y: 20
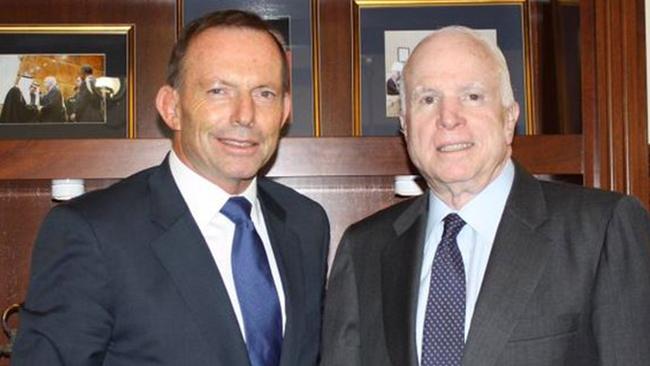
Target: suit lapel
x: 183, y: 252
x: 288, y: 255
x: 515, y: 266
x: 401, y: 261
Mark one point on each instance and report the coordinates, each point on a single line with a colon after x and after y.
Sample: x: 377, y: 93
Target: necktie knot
x: 237, y: 209
x: 453, y: 225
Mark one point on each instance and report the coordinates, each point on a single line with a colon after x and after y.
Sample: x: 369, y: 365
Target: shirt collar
x: 483, y: 212
x: 204, y: 198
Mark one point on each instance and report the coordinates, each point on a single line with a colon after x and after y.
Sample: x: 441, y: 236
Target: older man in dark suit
x: 196, y: 261
x: 490, y: 267
x: 52, y: 109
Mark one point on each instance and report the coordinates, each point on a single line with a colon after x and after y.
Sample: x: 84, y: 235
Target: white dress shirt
x: 205, y: 200
x: 482, y: 216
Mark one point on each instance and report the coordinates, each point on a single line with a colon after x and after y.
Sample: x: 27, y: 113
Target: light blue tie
x: 444, y: 323
x: 258, y: 298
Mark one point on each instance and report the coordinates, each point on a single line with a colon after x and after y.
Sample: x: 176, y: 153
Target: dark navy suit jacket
x: 123, y: 276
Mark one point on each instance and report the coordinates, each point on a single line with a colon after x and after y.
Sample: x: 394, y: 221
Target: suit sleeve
x: 621, y: 316
x: 341, y: 343
x: 66, y: 319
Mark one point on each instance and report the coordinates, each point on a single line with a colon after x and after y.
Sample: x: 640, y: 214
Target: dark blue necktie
x: 258, y: 298
x: 444, y: 323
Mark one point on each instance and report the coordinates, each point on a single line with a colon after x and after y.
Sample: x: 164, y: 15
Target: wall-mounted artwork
x: 66, y: 82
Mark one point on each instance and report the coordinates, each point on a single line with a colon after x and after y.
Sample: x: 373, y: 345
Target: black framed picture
x: 67, y: 81
x: 292, y: 21
x: 386, y: 32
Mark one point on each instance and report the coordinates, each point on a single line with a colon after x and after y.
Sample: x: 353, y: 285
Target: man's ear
x: 286, y: 108
x: 511, y: 114
x: 167, y: 104
x: 402, y: 123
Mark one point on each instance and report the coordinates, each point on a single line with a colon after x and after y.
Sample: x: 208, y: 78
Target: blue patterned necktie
x: 444, y: 323
x: 258, y: 298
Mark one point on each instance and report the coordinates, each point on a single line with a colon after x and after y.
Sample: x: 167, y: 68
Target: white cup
x: 407, y: 185
x: 65, y: 189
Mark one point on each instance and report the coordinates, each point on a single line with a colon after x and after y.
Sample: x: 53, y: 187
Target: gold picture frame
x: 374, y: 20
x: 55, y: 54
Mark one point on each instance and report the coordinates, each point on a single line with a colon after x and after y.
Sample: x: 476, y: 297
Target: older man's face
x: 458, y: 133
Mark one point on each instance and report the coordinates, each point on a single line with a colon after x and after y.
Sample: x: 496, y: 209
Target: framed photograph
x: 292, y: 21
x: 67, y: 81
x: 386, y: 32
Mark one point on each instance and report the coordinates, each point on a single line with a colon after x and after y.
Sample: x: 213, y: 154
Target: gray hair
x: 49, y: 81
x: 507, y: 97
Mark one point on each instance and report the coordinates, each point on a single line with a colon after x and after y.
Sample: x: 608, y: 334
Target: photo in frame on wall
x: 67, y: 81
x: 291, y: 21
x: 385, y: 34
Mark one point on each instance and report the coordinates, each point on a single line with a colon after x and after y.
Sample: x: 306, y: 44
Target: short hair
x: 220, y: 19
x: 50, y: 80
x: 86, y: 69
x: 505, y: 88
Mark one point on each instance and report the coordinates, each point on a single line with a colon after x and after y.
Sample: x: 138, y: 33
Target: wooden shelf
x: 297, y: 157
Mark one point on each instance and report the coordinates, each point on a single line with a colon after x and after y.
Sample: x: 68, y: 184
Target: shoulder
x: 119, y: 202
x: 573, y: 211
x: 575, y: 198
x: 381, y: 227
x: 531, y: 196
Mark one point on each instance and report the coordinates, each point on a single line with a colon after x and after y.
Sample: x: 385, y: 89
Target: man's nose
x: 244, y: 111
x: 450, y: 113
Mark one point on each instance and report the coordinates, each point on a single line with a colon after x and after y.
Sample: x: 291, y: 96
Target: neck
x: 458, y: 194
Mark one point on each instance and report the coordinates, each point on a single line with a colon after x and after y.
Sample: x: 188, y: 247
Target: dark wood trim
x: 614, y: 96
x: 297, y: 157
x: 335, y: 39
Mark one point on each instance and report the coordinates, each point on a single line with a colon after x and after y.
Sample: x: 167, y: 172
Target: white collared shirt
x: 205, y: 200
x: 482, y: 216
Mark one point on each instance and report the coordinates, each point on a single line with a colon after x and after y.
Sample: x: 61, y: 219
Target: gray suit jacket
x: 123, y: 276
x: 567, y: 283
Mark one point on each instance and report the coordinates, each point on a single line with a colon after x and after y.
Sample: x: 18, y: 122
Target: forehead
x: 452, y: 58
x: 225, y: 46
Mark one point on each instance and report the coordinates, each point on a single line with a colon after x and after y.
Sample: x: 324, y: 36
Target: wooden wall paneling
x: 155, y: 33
x: 614, y: 96
x: 345, y: 199
x: 335, y: 25
x: 22, y: 207
x: 554, y: 56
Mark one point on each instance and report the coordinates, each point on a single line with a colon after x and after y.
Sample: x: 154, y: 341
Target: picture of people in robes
x: 88, y: 105
x: 51, y: 89
x: 52, y: 108
x: 16, y: 108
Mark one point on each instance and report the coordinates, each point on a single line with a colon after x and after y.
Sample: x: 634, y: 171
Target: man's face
x: 457, y: 131
x: 230, y: 106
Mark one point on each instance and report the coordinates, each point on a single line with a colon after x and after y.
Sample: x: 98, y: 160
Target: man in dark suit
x: 88, y: 104
x: 52, y: 102
x: 490, y: 267
x: 167, y: 267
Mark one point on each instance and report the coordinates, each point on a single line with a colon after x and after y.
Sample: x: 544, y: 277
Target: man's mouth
x: 455, y: 147
x: 237, y: 143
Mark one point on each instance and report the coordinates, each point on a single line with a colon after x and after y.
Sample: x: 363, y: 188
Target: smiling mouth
x: 455, y: 147
x: 237, y: 143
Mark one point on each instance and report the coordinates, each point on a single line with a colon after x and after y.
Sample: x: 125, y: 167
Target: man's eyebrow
x: 424, y: 89
x: 473, y: 85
